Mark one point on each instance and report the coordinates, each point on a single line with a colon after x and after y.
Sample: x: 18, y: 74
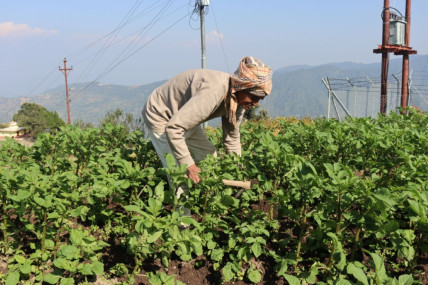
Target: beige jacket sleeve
x: 231, y: 134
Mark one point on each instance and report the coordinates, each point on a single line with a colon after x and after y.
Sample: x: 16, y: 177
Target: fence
x: 360, y: 97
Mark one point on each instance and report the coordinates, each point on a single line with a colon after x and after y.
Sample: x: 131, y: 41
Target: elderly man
x: 174, y: 111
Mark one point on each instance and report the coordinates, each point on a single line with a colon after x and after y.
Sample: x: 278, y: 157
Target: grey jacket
x: 186, y: 101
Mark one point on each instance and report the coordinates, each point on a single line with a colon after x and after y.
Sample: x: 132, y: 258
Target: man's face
x: 246, y: 100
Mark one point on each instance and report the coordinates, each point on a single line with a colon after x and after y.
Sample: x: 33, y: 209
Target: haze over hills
x: 297, y: 91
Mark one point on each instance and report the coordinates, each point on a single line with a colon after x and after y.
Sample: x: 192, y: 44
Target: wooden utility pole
x: 385, y: 59
x: 405, y: 70
x: 65, y: 71
x: 399, y: 47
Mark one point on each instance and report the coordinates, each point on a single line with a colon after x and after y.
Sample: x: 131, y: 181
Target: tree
x: 252, y: 115
x: 37, y: 119
x: 126, y: 120
x: 82, y: 124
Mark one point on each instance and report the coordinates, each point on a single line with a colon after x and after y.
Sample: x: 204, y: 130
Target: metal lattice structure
x: 360, y: 97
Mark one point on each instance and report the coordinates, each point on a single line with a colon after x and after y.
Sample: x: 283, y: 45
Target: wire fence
x: 360, y: 96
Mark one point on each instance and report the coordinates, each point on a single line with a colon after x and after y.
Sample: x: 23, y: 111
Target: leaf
x: 85, y: 269
x: 379, y: 267
x: 197, y: 245
x: 170, y: 160
x: 159, y: 191
x: 217, y: 254
x: 154, y: 206
x: 133, y: 208
x: 212, y: 244
x: 406, y: 279
x: 256, y: 249
x: 228, y: 273
x: 76, y: 236
x: 185, y: 257
x: 125, y: 184
x: 20, y: 259
x: 283, y: 267
x: 154, y: 237
x: 384, y: 196
x: 67, y: 281
x: 61, y: 263
x: 51, y: 278
x: 154, y: 280
x: 292, y: 280
x: 26, y: 267
x: 98, y: 267
x: 358, y: 273
x: 100, y: 148
x: 12, y: 278
x: 22, y: 194
x: 311, y: 276
x: 340, y: 259
x: 232, y: 243
x: 254, y: 275
x: 165, y: 260
x: 189, y: 221
x: 342, y: 281
x: 227, y: 200
x: 417, y: 208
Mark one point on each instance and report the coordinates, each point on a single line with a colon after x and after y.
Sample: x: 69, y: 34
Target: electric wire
x: 111, y: 39
x: 72, y: 55
x: 129, y: 18
x: 137, y: 39
x: 125, y: 53
x: 87, y: 47
x: 221, y: 40
x: 129, y: 55
x: 195, y: 11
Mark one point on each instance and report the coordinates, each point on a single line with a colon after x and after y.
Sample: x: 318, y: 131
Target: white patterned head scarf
x: 252, y: 76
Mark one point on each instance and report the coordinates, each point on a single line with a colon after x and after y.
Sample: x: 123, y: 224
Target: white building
x: 13, y: 131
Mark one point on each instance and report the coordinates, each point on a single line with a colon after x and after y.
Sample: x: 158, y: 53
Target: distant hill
x: 297, y: 91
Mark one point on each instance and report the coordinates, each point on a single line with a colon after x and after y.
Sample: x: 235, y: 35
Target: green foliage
x: 335, y: 203
x: 37, y: 119
x: 82, y: 124
x: 256, y: 113
x: 127, y: 120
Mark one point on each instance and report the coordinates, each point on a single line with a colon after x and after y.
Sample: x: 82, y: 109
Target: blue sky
x: 134, y: 42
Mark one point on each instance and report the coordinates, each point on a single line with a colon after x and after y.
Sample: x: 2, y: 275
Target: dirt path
x: 23, y: 141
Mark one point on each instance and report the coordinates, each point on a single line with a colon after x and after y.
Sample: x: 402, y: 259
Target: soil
x: 24, y: 141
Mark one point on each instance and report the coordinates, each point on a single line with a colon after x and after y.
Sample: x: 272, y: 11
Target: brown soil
x: 24, y: 141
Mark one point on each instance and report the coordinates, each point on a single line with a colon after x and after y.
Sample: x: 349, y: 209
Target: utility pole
x: 396, y: 39
x: 202, y: 4
x: 405, y: 70
x: 385, y: 58
x: 65, y: 71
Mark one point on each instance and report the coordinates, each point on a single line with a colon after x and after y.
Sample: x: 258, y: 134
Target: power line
x: 128, y: 56
x: 110, y: 40
x: 221, y: 40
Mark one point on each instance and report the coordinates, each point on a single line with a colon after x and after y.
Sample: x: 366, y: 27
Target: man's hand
x: 192, y: 173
